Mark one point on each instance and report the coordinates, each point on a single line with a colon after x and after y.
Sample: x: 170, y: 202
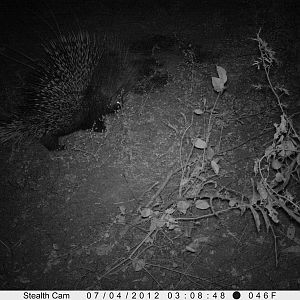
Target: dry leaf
x: 202, y: 204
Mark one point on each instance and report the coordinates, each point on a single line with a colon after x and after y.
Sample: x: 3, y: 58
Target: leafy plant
x: 281, y: 160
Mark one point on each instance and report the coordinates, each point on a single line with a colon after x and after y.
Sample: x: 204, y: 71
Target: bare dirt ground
x: 138, y: 207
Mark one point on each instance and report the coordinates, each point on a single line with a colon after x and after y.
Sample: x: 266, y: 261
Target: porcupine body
x: 80, y: 79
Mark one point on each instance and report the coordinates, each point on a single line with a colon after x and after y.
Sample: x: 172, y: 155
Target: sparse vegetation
x: 192, y: 186
x: 199, y: 186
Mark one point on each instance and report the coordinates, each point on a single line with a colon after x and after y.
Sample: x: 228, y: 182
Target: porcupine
x: 80, y: 79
